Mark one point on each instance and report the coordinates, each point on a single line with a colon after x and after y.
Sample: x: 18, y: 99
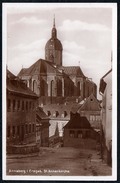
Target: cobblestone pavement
x: 64, y: 161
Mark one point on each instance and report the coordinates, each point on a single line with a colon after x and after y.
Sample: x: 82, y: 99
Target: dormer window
x: 64, y: 114
x: 55, y: 114
x: 48, y: 113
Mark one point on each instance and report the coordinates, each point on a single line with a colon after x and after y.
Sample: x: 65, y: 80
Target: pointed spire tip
x: 54, y: 21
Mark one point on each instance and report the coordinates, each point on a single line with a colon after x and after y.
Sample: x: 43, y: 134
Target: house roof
x: 41, y: 113
x: 90, y: 104
x: 16, y: 86
x: 39, y: 67
x: 60, y: 109
x: 10, y: 75
x: 41, y: 118
x: 72, y: 70
x: 79, y: 122
x: 107, y: 73
x: 89, y: 80
x: 103, y: 83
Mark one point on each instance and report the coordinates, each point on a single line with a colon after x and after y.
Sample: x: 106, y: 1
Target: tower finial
x: 54, y: 21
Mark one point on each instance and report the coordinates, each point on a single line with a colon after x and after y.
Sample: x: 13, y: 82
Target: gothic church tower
x: 53, y: 48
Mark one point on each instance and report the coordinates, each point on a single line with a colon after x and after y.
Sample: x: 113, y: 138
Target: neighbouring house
x: 91, y: 109
x: 59, y: 115
x: 42, y: 123
x: 23, y: 120
x: 105, y: 90
x: 79, y: 133
x: 21, y: 112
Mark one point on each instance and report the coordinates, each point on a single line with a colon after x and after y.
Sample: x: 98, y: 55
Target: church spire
x: 54, y: 21
x: 54, y: 31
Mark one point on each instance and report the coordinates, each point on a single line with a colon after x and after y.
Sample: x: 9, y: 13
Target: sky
x: 84, y: 31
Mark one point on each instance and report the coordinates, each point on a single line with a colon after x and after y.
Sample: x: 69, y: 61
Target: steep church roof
x: 39, y: 67
x: 72, y: 70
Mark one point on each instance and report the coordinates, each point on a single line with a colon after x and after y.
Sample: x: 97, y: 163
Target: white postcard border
x: 114, y: 87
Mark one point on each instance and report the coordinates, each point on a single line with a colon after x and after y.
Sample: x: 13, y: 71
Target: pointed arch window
x: 59, y: 87
x: 52, y: 88
x: 42, y: 88
x: 34, y: 86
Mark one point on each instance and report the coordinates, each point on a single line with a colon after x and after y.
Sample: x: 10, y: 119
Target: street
x: 62, y: 161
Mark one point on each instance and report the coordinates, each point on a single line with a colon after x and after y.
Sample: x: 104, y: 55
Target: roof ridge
x: 51, y: 64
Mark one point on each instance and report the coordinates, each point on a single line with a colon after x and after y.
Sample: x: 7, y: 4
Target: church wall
x: 78, y: 90
x: 59, y: 87
x: 48, y: 100
x: 32, y: 82
x: 90, y: 88
x: 52, y: 86
x: 43, y: 86
x: 36, y: 89
x: 68, y: 87
x: 79, y: 81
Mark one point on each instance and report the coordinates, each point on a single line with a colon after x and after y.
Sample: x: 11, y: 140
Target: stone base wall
x: 22, y: 149
x: 29, y: 138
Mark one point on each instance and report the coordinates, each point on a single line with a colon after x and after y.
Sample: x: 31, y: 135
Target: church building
x: 53, y: 82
